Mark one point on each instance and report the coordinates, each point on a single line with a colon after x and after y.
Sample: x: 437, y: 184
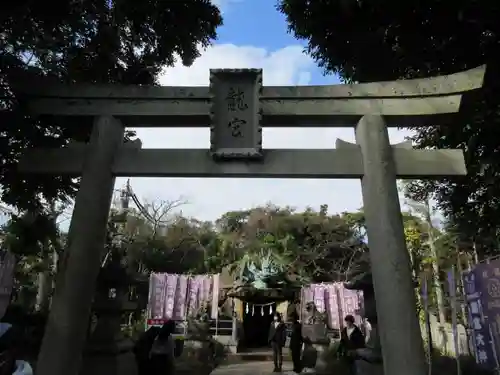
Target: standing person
x: 161, y: 356
x: 351, y: 339
x: 296, y: 342
x: 277, y: 339
x: 368, y: 331
x: 142, y: 349
x: 10, y: 349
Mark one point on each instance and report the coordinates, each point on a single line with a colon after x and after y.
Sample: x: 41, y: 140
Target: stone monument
x: 108, y: 351
x: 314, y: 331
x: 236, y: 106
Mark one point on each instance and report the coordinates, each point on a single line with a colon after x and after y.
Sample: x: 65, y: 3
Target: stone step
x: 255, y: 357
x: 251, y: 368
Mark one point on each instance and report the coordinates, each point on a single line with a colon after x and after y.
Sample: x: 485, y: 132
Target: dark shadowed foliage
x: 97, y: 41
x: 364, y: 40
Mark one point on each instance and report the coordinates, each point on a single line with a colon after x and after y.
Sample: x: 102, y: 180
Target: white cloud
x: 285, y: 66
x: 209, y: 198
x: 223, y: 4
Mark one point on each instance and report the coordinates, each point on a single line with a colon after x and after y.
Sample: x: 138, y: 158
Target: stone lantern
x: 369, y: 359
x: 108, y: 351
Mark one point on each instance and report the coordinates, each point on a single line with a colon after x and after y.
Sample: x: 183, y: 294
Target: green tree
x: 423, y: 210
x: 431, y: 249
x: 36, y: 241
x: 154, y: 238
x: 314, y: 246
x: 117, y: 41
x: 385, y: 40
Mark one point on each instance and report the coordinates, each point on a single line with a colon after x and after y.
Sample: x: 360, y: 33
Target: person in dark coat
x: 11, y: 347
x: 142, y: 348
x: 277, y: 339
x: 161, y: 356
x: 296, y: 342
x: 351, y: 339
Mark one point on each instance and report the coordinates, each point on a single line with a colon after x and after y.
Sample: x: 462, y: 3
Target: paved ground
x: 251, y: 368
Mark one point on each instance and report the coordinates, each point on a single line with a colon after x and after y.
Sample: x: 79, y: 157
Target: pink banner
x: 156, y: 303
x: 192, y: 304
x: 196, y: 297
x: 181, y: 290
x: 173, y: 296
x: 319, y: 297
x: 334, y: 300
x: 170, y: 289
x: 215, y: 296
x: 331, y: 306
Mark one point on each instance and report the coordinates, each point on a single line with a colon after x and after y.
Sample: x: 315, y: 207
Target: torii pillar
x: 68, y: 319
x: 399, y: 327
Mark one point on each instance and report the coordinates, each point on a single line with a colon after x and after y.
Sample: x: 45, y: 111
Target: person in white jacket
x: 10, y: 345
x: 368, y: 331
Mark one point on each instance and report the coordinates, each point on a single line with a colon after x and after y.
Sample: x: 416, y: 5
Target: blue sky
x: 257, y: 23
x: 254, y: 35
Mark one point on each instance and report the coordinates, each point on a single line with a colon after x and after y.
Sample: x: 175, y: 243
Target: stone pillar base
x: 366, y: 368
x: 233, y: 347
x: 109, y: 364
x: 197, y: 357
x: 322, y: 353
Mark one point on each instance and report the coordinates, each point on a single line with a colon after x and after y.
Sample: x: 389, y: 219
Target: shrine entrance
x: 255, y: 308
x: 257, y: 318
x: 236, y: 106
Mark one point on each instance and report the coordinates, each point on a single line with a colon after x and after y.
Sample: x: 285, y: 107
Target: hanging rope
x: 262, y: 304
x: 255, y: 306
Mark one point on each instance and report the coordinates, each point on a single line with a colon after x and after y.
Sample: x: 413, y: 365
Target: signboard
x: 314, y: 332
x: 481, y: 331
x: 235, y: 131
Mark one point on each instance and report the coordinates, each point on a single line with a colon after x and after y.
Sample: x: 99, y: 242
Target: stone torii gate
x: 236, y: 106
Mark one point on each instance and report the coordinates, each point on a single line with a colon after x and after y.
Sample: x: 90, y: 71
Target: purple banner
x: 331, y: 306
x: 334, y: 300
x: 173, y: 296
x: 475, y: 295
x: 156, y: 305
x: 181, y: 297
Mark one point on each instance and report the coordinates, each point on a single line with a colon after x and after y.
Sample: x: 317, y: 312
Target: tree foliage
x: 315, y: 246
x: 117, y: 41
x: 36, y: 241
x: 367, y: 40
x: 308, y: 246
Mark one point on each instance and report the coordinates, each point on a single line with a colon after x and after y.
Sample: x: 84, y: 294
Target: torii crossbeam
x: 236, y: 106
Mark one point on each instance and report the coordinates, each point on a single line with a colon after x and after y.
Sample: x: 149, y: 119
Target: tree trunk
x: 474, y: 252
x: 436, y: 281
x: 415, y: 272
x: 438, y: 288
x: 44, y: 291
x: 462, y: 289
x: 45, y: 282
